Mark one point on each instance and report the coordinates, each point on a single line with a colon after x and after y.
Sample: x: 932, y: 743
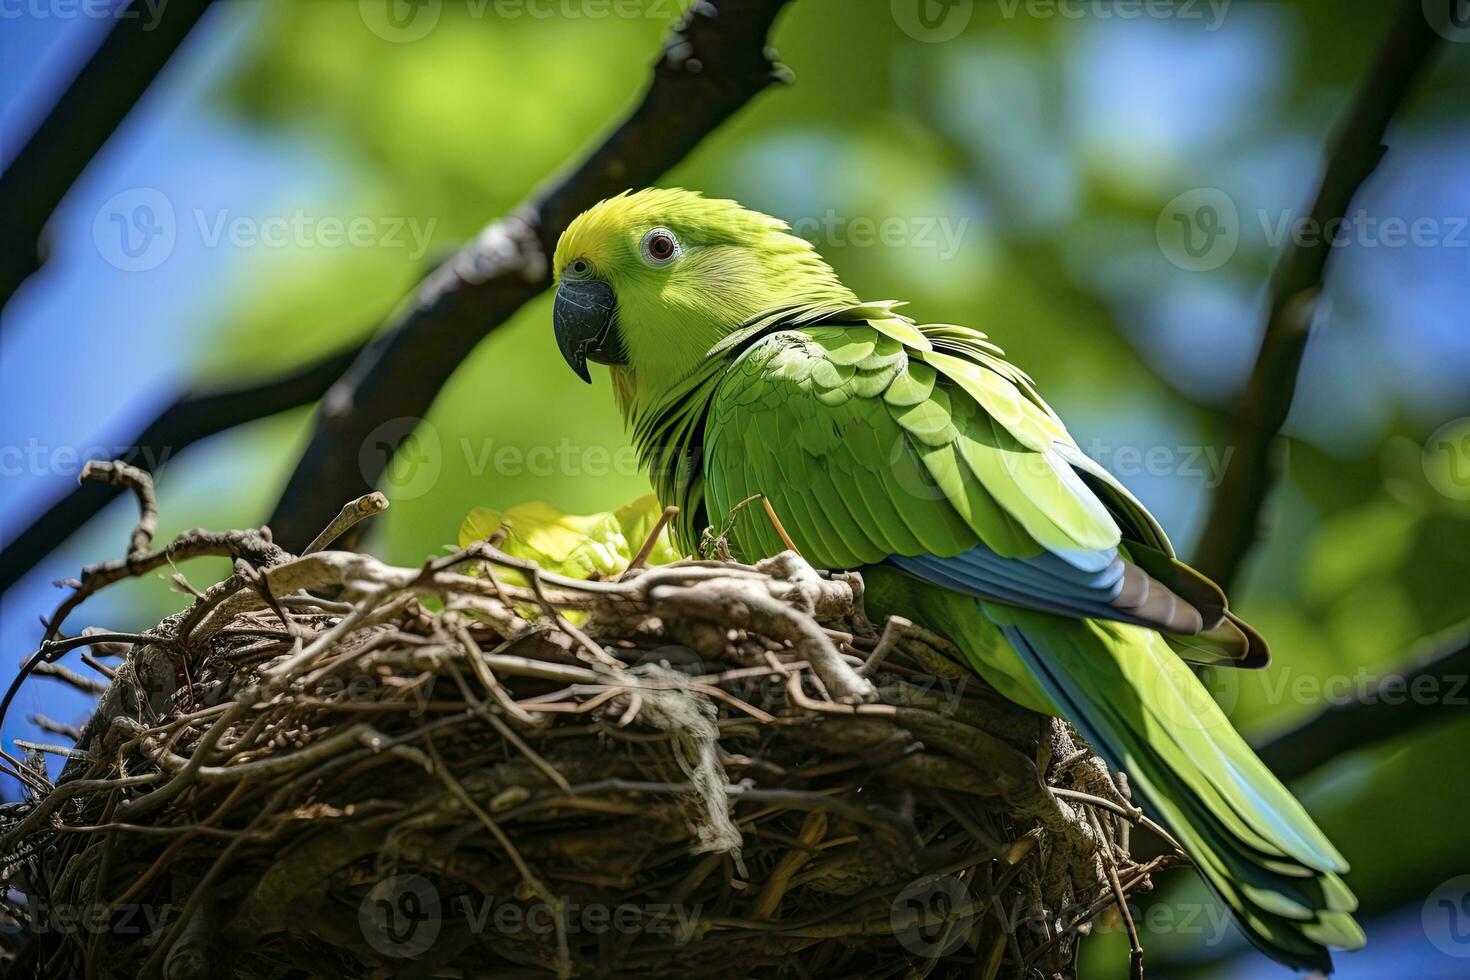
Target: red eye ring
x: 660, y: 247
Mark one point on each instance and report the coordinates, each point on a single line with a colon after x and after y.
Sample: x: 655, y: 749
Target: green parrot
x: 916, y: 453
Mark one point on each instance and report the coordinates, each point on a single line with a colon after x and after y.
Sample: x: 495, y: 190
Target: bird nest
x: 330, y: 766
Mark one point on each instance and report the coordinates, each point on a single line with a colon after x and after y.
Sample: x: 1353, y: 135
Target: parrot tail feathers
x: 1231, y: 643
x: 1144, y: 710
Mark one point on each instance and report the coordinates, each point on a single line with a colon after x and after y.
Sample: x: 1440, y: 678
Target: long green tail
x: 1145, y: 711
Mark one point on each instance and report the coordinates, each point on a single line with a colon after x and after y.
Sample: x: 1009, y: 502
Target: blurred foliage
x: 1044, y: 148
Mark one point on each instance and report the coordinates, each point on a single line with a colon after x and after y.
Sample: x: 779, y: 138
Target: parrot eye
x: 579, y: 267
x: 660, y: 247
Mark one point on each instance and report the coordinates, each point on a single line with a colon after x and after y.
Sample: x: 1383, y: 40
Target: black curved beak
x: 586, y: 320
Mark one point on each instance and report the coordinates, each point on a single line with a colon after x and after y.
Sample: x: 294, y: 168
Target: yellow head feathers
x: 649, y: 281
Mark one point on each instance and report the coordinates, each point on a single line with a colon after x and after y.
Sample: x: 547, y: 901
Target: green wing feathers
x: 924, y: 441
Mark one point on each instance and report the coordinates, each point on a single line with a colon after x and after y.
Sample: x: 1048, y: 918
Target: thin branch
x: 1235, y: 510
x: 87, y: 685
x: 353, y: 512
x: 191, y: 544
x: 54, y: 727
x: 893, y: 629
x: 185, y: 422
x: 776, y: 523
x: 650, y: 542
x: 1436, y: 687
x: 142, y: 39
x: 123, y: 476
x: 713, y: 63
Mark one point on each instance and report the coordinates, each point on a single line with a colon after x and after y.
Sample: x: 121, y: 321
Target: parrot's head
x: 650, y: 281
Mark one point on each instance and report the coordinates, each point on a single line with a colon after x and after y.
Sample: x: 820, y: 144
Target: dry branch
x: 431, y: 771
x: 713, y: 63
x: 140, y: 42
x: 1432, y: 688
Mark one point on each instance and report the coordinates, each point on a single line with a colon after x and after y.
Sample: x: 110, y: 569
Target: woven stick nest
x: 329, y: 766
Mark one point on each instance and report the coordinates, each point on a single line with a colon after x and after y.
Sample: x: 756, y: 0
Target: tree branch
x: 141, y: 40
x: 713, y: 63
x: 1235, y: 510
x: 188, y: 420
x: 1432, y: 689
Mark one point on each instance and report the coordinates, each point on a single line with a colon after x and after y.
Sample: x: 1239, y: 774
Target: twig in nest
x: 533, y: 883
x: 352, y: 513
x: 813, y: 829
x: 87, y: 685
x: 120, y: 474
x: 1110, y: 867
x: 55, y: 727
x: 776, y: 523
x: 251, y: 545
x: 65, y: 751
x: 649, y: 542
x: 892, y: 630
x: 717, y: 546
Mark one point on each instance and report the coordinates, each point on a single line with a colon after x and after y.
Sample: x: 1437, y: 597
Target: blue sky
x: 125, y: 343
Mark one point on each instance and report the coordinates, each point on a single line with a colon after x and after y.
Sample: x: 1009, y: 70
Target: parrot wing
x: 929, y: 450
